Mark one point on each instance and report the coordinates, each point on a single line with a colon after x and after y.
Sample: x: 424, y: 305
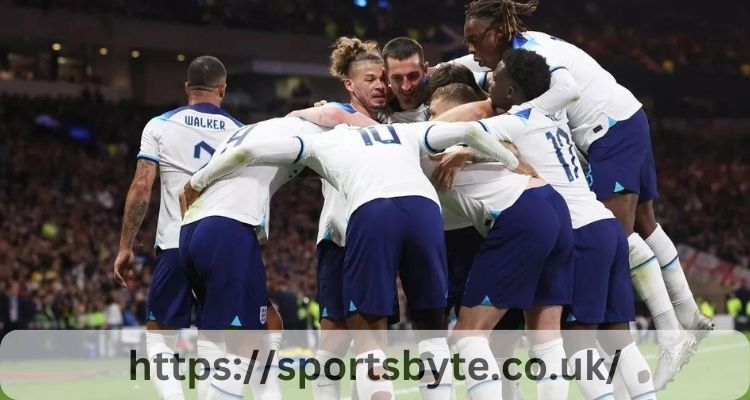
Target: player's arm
x: 136, y: 206
x: 267, y: 151
x: 330, y: 115
x: 468, y: 112
x: 443, y: 134
x: 563, y: 91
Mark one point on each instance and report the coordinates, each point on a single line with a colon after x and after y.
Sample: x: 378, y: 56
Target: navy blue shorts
x: 170, y: 301
x: 386, y: 237
x: 223, y: 262
x: 603, y: 290
x: 527, y: 257
x: 462, y: 246
x: 331, y: 280
x: 623, y: 160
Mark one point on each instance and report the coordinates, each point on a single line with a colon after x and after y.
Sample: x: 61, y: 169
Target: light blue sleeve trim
x: 147, y: 156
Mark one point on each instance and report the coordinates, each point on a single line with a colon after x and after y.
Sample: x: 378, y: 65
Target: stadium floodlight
x: 56, y: 46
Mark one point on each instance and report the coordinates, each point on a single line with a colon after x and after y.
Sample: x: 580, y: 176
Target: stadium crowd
x: 62, y: 193
x: 671, y: 37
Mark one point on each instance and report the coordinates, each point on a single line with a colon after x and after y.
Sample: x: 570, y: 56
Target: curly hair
x: 348, y: 51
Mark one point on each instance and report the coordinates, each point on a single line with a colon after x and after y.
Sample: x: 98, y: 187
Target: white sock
x: 161, y: 345
x: 268, y: 390
x: 326, y: 388
x: 552, y: 355
x: 478, y: 348
x: 636, y: 373
x: 435, y: 353
x: 220, y: 389
x: 589, y: 382
x: 647, y: 280
x: 674, y: 278
x: 366, y: 388
x: 620, y: 391
x: 510, y: 387
x: 209, y: 351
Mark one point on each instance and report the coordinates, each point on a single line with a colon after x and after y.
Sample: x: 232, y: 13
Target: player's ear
x: 426, y: 67
x: 348, y: 85
x: 223, y: 90
x: 187, y: 89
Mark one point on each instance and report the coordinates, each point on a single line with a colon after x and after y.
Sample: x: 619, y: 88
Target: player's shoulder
x: 535, y: 118
x: 206, y: 114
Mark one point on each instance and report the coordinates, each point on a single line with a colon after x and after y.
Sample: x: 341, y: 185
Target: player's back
x: 245, y: 194
x: 602, y: 99
x: 381, y: 161
x: 545, y: 142
x: 181, y: 141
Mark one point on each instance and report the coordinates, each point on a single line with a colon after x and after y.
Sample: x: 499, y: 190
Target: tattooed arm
x: 136, y: 205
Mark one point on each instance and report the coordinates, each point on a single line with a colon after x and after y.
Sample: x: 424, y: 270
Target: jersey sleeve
x: 506, y: 127
x: 563, y: 91
x: 150, y: 142
x: 441, y: 135
x: 266, y: 151
x: 468, y: 62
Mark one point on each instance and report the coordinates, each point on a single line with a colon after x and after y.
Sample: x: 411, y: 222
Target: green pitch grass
x: 715, y: 363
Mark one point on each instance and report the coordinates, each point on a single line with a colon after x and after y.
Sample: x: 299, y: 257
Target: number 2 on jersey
x: 370, y: 134
x: 557, y: 141
x: 202, y: 146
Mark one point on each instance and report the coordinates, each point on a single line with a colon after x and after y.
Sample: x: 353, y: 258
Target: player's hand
x: 320, y: 103
x: 524, y: 168
x: 449, y: 165
x: 124, y: 266
x: 187, y: 197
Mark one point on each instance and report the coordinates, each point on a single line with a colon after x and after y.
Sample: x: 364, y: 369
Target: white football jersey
x: 245, y: 195
x: 369, y: 163
x: 495, y: 187
x: 181, y: 141
x: 419, y: 114
x: 546, y: 144
x: 603, y: 101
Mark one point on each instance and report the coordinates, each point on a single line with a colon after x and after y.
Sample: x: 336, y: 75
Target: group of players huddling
x: 483, y: 197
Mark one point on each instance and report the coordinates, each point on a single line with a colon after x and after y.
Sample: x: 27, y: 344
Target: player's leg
x: 233, y: 296
x: 615, y: 164
x: 554, y: 289
x: 424, y: 277
x: 503, y: 341
x: 268, y: 359
x: 506, y: 274
x: 674, y: 277
x: 373, y: 252
x: 334, y: 338
x: 663, y: 247
x: 615, y: 334
x: 169, y: 308
x: 595, y: 249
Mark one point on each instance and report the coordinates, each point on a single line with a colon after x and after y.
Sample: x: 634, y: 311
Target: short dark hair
x: 460, y: 93
x: 528, y: 70
x: 402, y: 48
x: 206, y: 72
x: 446, y: 74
